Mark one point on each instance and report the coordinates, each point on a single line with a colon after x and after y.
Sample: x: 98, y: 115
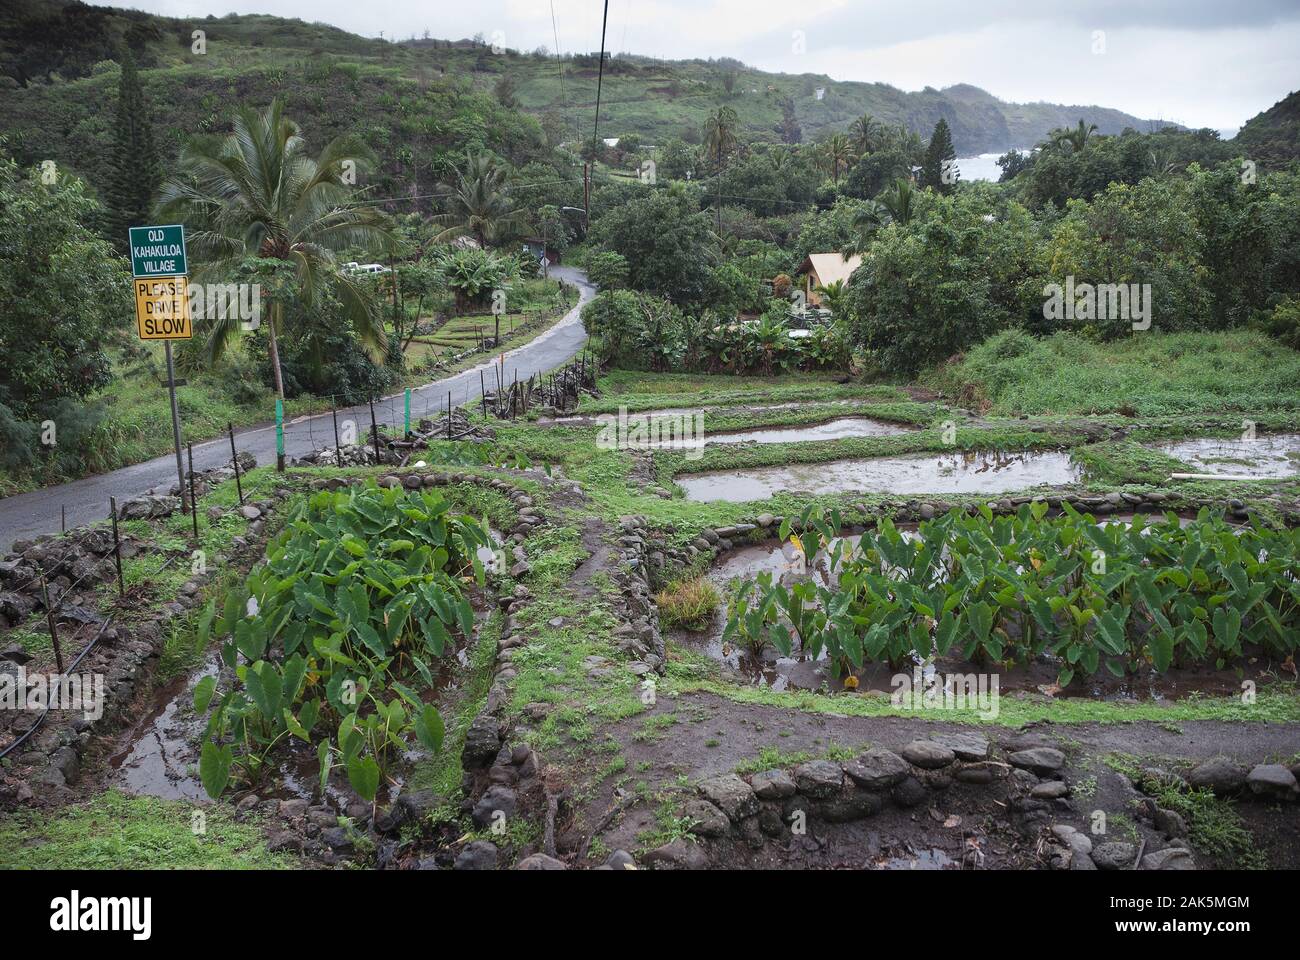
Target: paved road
x: 27, y: 515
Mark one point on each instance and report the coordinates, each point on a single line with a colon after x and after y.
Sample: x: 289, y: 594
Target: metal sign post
x: 160, y: 267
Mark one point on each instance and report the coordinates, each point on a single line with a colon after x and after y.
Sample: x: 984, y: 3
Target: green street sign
x: 158, y: 251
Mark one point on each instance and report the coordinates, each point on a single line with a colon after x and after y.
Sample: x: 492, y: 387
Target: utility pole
x: 586, y: 198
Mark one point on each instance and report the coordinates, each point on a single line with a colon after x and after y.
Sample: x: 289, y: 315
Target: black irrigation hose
x: 44, y: 713
x: 75, y: 663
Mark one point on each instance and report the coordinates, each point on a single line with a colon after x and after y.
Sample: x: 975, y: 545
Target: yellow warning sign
x: 162, y: 308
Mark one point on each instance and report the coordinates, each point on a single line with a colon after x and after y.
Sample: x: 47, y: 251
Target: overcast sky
x: 1203, y: 63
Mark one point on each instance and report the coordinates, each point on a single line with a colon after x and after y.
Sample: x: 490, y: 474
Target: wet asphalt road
x: 29, y: 514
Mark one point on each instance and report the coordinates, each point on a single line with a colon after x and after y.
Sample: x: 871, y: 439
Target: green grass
x: 1212, y: 822
x: 1239, y: 371
x: 689, y: 603
x: 115, y: 831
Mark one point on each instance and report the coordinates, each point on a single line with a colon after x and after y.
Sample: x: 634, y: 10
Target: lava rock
x: 1272, y: 780
x: 967, y: 746
x: 477, y: 855
x: 1038, y: 759
x: 497, y: 801
x: 1171, y: 858
x: 677, y: 855
x: 772, y: 785
x: 540, y: 861
x: 1116, y: 855
x: 877, y: 769
x: 909, y: 793
x: 1050, y: 790
x: 732, y: 794
x: 928, y: 754
x: 1219, y: 774
x: 709, y: 821
x: 819, y: 779
x: 482, y: 741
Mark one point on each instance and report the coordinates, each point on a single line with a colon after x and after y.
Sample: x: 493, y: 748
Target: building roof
x: 830, y: 267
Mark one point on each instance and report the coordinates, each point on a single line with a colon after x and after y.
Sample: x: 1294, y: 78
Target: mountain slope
x: 1273, y: 136
x: 54, y: 41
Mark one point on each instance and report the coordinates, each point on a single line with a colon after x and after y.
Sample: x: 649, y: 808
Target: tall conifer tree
x: 134, y: 167
x: 939, y: 149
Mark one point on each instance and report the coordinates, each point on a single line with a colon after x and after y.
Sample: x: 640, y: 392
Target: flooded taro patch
x: 840, y: 429
x: 958, y: 472
x: 1272, y: 456
x: 756, y: 662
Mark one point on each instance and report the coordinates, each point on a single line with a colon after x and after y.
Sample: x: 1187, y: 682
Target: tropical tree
x: 837, y: 154
x: 1075, y: 138
x: 256, y: 194
x: 939, y: 171
x: 720, y: 135
x: 866, y: 221
x: 900, y: 201
x: 864, y: 134
x: 834, y: 297
x: 133, y: 168
x: 479, y: 203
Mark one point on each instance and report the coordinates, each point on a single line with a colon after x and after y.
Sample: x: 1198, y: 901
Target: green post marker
x: 279, y: 435
x: 407, y: 432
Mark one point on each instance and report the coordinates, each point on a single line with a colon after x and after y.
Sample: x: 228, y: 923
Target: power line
x: 559, y: 62
x: 600, y: 74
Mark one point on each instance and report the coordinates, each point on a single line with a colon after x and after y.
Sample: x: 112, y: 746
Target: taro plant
x: 1017, y: 588
x: 331, y: 638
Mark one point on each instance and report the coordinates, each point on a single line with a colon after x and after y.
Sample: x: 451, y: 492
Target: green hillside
x: 49, y: 49
x: 1274, y: 135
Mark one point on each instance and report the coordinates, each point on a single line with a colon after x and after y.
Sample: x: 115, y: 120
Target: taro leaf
x: 466, y: 617
x: 296, y: 728
x: 350, y: 739
x: 214, y: 768
x: 250, y: 638
x: 309, y: 713
x: 323, y: 758
x: 435, y: 635
x: 1064, y: 676
x: 1115, y: 667
x: 295, y: 668
x: 363, y: 774
x: 945, y: 634
x: 979, y: 616
x: 407, y: 694
x: 264, y: 687
x: 370, y: 637
x: 425, y: 674
x: 203, y: 692
x: 1196, y: 637
x: 1161, y: 645
x: 1110, y: 630
x: 1227, y: 626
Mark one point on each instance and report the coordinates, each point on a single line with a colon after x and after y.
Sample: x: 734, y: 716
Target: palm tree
x: 834, y: 297
x: 871, y: 217
x: 900, y: 201
x: 479, y: 202
x: 837, y: 152
x: 1076, y: 137
x: 906, y: 142
x: 864, y: 133
x: 256, y: 193
x: 720, y: 135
